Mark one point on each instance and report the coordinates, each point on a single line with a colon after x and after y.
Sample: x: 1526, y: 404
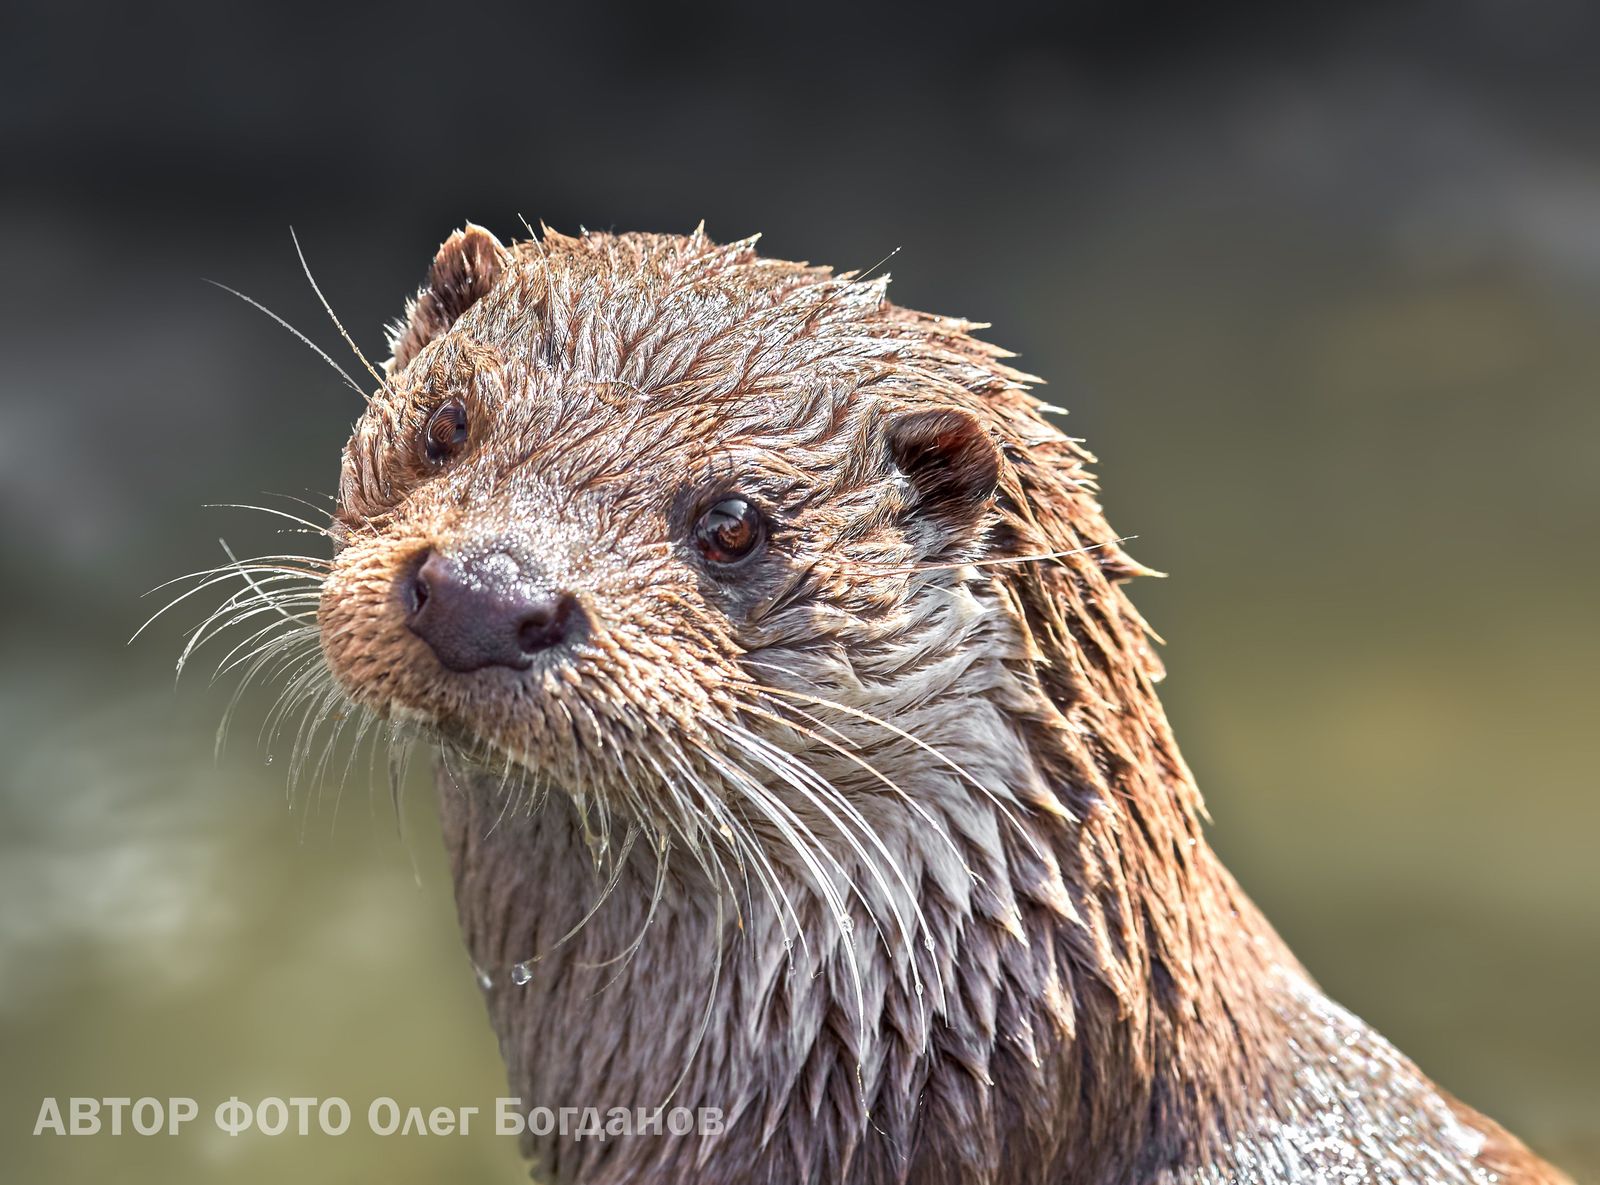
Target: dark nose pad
x: 472, y: 616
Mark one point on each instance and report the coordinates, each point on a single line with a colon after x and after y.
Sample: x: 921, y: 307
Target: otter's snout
x: 484, y: 611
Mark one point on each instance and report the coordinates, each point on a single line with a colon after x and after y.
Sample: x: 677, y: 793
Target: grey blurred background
x: 1320, y: 287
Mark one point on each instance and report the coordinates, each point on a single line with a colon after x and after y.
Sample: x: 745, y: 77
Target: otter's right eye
x: 445, y: 433
x: 729, y: 531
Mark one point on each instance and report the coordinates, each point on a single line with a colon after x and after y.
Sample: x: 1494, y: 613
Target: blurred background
x: 1321, y: 288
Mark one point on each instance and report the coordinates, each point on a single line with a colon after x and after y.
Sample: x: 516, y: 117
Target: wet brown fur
x: 1101, y: 1002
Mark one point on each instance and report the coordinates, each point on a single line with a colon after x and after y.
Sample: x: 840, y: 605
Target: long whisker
x: 253, y: 645
x: 943, y: 758
x: 605, y: 894
x: 997, y: 561
x: 799, y: 776
x: 811, y: 785
x: 245, y: 573
x: 306, y: 502
x: 294, y: 518
x: 302, y: 685
x: 318, y: 350
x: 863, y: 276
x: 240, y: 612
x: 739, y: 837
x: 272, y: 659
x: 663, y: 846
x: 258, y: 563
x: 812, y: 855
x: 686, y: 821
x: 224, y: 574
x: 917, y: 808
x: 367, y: 725
x: 252, y: 601
x: 383, y: 384
x: 705, y: 1021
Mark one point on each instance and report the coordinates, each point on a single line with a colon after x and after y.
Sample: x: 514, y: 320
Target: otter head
x: 691, y: 533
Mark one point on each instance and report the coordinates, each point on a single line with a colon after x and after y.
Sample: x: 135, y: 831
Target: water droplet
x: 269, y: 758
x: 521, y: 973
x: 485, y: 980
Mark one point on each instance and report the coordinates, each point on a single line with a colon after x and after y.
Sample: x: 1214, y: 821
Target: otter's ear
x: 950, y: 460
x: 467, y: 266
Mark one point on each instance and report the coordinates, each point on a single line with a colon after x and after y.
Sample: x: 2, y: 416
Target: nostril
x: 415, y: 591
x: 417, y: 594
x: 546, y: 623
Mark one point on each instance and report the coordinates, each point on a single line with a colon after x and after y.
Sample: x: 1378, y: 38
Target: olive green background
x: 1322, y: 293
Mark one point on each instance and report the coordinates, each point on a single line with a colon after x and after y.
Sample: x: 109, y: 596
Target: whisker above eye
x: 316, y: 349
x: 383, y: 383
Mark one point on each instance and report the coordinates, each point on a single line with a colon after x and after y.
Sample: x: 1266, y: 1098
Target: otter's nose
x: 478, y: 613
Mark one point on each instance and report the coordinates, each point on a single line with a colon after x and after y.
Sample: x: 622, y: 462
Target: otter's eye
x: 445, y: 433
x: 729, y: 531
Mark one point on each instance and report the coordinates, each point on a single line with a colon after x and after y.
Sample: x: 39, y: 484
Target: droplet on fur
x: 485, y: 980
x: 269, y: 758
x: 521, y: 973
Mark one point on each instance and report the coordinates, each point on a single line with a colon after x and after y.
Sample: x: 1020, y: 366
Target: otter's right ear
x: 951, y: 461
x: 467, y: 266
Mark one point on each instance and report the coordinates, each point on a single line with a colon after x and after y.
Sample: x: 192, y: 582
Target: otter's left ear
x: 949, y: 458
x: 466, y: 267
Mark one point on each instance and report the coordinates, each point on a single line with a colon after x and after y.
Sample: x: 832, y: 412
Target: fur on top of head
x: 913, y: 505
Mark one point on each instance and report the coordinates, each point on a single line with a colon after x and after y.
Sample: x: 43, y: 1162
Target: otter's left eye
x: 445, y: 433
x: 729, y: 531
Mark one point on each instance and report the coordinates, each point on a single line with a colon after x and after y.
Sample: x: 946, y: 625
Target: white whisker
x: 318, y: 350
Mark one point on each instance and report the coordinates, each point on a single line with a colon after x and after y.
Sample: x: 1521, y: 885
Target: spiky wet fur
x: 883, y: 847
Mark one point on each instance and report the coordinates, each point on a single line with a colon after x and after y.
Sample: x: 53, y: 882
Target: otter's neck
x: 1085, y: 1005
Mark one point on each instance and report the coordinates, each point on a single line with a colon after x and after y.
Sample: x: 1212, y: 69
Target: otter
x: 799, y: 752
